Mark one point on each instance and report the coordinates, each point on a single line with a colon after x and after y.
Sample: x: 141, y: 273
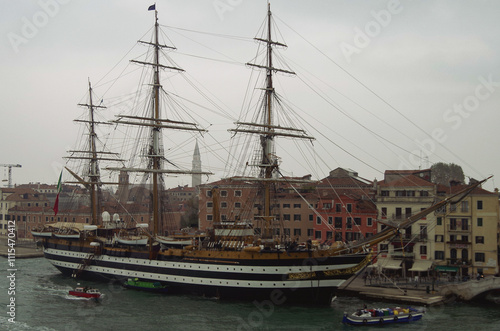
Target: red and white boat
x: 85, y: 292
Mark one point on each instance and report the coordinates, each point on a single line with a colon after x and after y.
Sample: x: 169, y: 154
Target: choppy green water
x: 43, y: 303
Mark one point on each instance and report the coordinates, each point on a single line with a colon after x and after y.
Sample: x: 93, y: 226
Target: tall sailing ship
x: 228, y: 261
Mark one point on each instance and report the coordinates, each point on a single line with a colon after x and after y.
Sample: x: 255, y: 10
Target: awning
x: 388, y: 264
x: 445, y: 268
x: 421, y: 265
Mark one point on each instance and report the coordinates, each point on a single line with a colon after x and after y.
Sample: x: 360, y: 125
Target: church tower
x: 196, y: 179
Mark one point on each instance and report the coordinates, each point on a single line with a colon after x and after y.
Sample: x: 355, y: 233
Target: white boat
x: 132, y: 240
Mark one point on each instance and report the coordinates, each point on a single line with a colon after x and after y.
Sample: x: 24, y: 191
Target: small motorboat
x: 86, y: 292
x: 143, y: 285
x: 383, y: 316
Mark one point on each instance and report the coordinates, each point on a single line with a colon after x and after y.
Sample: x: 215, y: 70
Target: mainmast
x: 268, y: 130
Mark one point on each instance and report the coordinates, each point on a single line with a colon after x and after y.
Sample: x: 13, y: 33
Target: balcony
x: 451, y: 228
x: 459, y: 243
x: 456, y: 262
x: 400, y: 256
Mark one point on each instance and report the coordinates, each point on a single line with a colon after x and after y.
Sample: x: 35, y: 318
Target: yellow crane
x: 10, y: 166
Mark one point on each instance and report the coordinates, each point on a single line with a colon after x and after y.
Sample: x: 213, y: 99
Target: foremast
x: 156, y: 123
x: 269, y: 162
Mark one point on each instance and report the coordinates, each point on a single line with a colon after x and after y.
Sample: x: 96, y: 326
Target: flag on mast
x: 56, y: 203
x: 152, y: 7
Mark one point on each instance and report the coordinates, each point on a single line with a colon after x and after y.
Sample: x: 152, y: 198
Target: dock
x: 422, y: 295
x: 24, y: 249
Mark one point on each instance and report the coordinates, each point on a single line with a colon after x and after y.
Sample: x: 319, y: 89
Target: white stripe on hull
x: 213, y: 268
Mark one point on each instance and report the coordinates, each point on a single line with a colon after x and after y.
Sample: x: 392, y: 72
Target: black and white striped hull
x: 243, y: 279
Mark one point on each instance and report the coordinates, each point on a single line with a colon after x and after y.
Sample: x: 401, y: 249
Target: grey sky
x: 436, y: 63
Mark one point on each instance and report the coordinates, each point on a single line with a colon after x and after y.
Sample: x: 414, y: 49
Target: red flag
x: 56, y: 203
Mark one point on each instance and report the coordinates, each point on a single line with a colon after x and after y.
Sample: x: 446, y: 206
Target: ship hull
x: 289, y: 278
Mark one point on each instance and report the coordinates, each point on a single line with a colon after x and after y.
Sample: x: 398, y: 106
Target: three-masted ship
x: 230, y: 260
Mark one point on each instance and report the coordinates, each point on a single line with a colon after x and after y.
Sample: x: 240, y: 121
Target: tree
x: 444, y: 173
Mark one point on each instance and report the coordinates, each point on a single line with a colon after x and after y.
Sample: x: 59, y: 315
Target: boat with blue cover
x: 383, y: 316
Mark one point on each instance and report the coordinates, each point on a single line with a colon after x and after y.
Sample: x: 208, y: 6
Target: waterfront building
x: 18, y: 197
x: 346, y: 210
x: 466, y: 233
x: 401, y: 194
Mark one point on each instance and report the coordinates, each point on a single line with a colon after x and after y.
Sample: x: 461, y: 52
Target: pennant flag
x: 152, y: 7
x: 56, y: 203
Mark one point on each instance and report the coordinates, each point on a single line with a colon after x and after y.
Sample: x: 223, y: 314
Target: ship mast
x: 268, y: 130
x: 155, y: 122
x: 93, y: 156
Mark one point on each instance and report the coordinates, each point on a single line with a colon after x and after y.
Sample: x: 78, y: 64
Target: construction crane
x: 10, y: 171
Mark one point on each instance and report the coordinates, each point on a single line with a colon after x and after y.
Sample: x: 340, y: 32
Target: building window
x: 237, y: 205
x: 453, y: 223
x: 480, y: 221
x: 317, y: 235
x: 223, y: 193
x: 438, y: 255
x: 357, y: 221
x: 209, y: 193
x: 465, y: 224
x: 439, y: 238
x: 329, y: 235
x: 210, y: 204
x: 338, y: 222
x: 297, y: 205
x: 439, y: 221
x: 464, y: 206
x: 349, y: 223
x: 318, y: 220
x: 384, y: 248
x: 384, y: 193
x: 237, y: 193
x: 311, y: 217
x: 210, y: 217
x: 424, y: 193
x: 479, y: 204
x: 399, y: 213
x: 330, y: 220
x: 423, y: 250
x: 479, y: 257
x: 349, y: 207
x: 223, y: 204
x: 297, y: 232
x: 310, y: 232
x: 286, y: 217
x: 479, y: 239
x: 338, y: 236
x: 297, y: 217
x: 286, y: 232
x: 338, y: 207
x: 327, y: 206
x: 286, y: 205
x: 384, y: 212
x: 223, y: 218
x: 369, y: 221
x: 348, y: 236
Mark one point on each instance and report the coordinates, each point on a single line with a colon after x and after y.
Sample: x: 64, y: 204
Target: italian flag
x: 56, y: 203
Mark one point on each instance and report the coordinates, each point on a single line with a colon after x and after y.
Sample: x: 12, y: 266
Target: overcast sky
x: 383, y: 84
